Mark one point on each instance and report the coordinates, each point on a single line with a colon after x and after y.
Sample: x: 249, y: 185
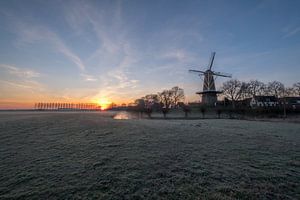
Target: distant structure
x: 209, y: 93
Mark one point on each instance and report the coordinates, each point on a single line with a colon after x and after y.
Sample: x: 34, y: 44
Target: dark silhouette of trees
x: 245, y: 90
x: 275, y: 88
x: 232, y: 90
x: 68, y: 106
x: 140, y: 106
x: 256, y: 88
x: 151, y: 101
x: 236, y: 92
x: 166, y: 98
x: 170, y: 98
x: 162, y: 101
x: 289, y: 92
x: 178, y: 95
x: 149, y: 111
x: 296, y: 87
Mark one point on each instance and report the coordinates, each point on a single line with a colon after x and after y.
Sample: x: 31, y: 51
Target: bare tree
x: 232, y: 90
x: 178, y: 94
x: 245, y: 92
x: 140, y: 106
x: 150, y: 99
x: 276, y: 88
x: 296, y: 87
x: 289, y: 92
x: 166, y: 98
x: 256, y: 88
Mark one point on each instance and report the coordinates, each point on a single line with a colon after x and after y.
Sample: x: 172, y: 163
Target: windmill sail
x: 221, y: 74
x: 197, y: 71
x: 211, y: 60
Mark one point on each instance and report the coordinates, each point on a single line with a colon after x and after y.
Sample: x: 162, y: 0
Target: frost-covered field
x: 91, y: 155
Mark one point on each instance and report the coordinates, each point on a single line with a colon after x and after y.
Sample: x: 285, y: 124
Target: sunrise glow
x: 104, y: 103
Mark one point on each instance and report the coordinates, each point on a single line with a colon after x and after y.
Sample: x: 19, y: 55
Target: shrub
x: 165, y: 111
x: 219, y: 111
x: 186, y: 109
x: 203, y: 111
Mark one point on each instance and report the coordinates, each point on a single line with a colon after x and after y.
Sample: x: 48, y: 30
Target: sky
x: 118, y: 51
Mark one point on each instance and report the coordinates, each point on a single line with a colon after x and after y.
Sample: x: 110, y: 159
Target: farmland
x: 93, y: 156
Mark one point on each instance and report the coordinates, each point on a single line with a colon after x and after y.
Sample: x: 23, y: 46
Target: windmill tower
x: 209, y: 93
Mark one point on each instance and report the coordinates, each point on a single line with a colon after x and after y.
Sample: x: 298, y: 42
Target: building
x: 291, y: 102
x: 263, y: 101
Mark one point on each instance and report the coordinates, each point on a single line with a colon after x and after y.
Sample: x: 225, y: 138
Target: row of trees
x: 166, y: 98
x: 161, y: 101
x: 58, y: 106
x: 236, y: 90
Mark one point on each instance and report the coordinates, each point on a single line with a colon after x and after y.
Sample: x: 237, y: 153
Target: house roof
x: 291, y: 100
x: 265, y: 98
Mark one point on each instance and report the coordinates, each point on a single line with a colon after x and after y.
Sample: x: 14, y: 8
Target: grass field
x: 92, y: 156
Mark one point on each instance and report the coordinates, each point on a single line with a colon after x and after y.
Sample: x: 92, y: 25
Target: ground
x: 93, y: 156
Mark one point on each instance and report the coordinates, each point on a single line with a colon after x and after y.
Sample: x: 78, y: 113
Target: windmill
x: 209, y: 93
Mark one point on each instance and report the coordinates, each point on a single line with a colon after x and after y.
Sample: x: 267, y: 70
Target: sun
x: 104, y: 103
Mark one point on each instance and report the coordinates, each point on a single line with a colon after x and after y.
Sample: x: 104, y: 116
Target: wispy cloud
x: 120, y: 57
x: 20, y: 78
x: 24, y: 84
x: 87, y: 77
x: 31, y: 33
x: 114, y: 55
x: 178, y: 55
x: 20, y: 84
x: 289, y: 32
x: 22, y: 73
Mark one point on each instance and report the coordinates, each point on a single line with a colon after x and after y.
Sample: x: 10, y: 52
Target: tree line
x: 236, y: 90
x: 66, y: 106
x: 162, y: 101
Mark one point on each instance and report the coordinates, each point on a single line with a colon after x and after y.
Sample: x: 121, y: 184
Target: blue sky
x: 122, y: 50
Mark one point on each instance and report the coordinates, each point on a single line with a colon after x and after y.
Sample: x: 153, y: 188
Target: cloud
x: 87, y: 77
x: 179, y: 55
x: 114, y: 56
x: 19, y: 84
x: 291, y: 32
x: 24, y: 84
x: 22, y: 73
x: 126, y: 62
x: 106, y: 25
x: 30, y: 34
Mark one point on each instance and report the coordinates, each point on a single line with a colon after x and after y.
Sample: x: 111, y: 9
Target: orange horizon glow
x: 104, y: 103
